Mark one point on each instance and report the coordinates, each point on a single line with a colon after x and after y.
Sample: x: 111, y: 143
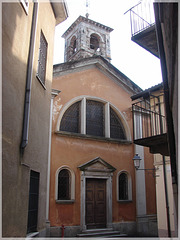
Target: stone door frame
x: 98, y: 175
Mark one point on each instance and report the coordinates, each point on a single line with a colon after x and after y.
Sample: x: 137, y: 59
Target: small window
x: 116, y: 128
x: 123, y: 186
x: 71, y: 119
x: 94, y: 118
x: 64, y: 185
x: 94, y: 42
x: 41, y: 73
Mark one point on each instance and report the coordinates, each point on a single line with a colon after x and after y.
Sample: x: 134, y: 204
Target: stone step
x: 103, y: 233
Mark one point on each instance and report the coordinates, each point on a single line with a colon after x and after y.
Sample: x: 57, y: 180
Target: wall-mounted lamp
x: 137, y: 160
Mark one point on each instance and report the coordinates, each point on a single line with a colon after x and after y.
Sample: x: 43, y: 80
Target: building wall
x: 160, y: 195
x: 73, y: 152
x: 16, y: 29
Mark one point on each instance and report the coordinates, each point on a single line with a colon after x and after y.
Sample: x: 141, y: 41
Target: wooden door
x: 95, y: 203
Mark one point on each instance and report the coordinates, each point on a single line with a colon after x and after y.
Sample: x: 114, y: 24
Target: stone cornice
x: 86, y: 20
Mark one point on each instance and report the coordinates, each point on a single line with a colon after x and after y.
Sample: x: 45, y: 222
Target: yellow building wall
x: 16, y: 29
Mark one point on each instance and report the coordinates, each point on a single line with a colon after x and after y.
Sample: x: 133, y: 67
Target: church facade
x: 93, y: 184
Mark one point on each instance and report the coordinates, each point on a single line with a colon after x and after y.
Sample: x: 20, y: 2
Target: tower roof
x: 86, y: 20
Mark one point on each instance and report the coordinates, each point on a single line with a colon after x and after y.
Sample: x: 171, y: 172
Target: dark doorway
x: 95, y: 203
x: 33, y: 202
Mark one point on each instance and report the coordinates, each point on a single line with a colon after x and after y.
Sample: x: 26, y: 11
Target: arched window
x: 64, y: 185
x: 124, y: 186
x: 71, y: 120
x: 94, y: 42
x: 94, y: 118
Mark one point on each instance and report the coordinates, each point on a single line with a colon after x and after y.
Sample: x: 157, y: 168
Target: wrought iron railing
x: 141, y: 16
x: 148, y: 118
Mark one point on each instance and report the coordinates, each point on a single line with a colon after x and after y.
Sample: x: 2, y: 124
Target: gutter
x: 25, y: 130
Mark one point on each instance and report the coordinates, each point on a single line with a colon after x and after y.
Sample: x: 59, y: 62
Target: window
x: 94, y: 42
x: 71, y: 119
x: 33, y: 202
x: 64, y: 185
x: 41, y: 73
x: 124, y: 186
x: 117, y: 129
x: 93, y: 118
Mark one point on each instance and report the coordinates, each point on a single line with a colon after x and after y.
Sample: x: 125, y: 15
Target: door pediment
x: 97, y: 165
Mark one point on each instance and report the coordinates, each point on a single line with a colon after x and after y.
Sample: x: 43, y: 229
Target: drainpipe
x: 25, y: 130
x: 166, y: 197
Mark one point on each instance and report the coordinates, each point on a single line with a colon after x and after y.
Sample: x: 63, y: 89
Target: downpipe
x: 25, y: 130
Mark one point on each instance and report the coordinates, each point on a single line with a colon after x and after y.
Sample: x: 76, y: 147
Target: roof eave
x: 60, y: 10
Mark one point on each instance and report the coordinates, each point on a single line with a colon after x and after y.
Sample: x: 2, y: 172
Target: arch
x: 95, y: 42
x: 124, y: 186
x: 73, y: 46
x: 86, y: 97
x: 66, y: 172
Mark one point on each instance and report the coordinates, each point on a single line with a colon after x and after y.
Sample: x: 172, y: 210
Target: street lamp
x: 137, y: 160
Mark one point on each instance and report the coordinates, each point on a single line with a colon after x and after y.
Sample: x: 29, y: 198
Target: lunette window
x: 41, y: 73
x: 93, y: 120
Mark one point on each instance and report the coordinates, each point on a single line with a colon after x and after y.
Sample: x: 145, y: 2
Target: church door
x: 95, y: 203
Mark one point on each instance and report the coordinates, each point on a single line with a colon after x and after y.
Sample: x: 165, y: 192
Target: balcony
x: 149, y: 124
x: 143, y: 30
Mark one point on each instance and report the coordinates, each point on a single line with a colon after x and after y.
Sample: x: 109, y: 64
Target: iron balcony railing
x: 141, y: 16
x: 148, y: 118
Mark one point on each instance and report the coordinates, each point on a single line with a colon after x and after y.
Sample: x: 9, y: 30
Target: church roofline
x: 87, y: 20
x: 101, y: 63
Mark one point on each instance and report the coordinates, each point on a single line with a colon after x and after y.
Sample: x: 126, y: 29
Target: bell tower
x: 86, y: 38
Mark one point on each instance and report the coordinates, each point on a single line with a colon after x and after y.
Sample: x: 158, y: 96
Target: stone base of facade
x: 69, y: 231
x: 147, y: 226
x: 128, y: 228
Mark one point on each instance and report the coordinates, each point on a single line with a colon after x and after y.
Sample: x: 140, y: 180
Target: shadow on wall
x: 16, y: 29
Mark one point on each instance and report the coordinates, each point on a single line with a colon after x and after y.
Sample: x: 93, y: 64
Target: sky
x: 128, y: 57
